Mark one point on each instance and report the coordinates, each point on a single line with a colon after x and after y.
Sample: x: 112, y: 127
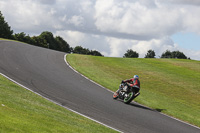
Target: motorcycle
x: 126, y: 93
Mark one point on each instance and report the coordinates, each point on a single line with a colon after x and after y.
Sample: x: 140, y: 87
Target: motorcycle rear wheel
x: 129, y: 98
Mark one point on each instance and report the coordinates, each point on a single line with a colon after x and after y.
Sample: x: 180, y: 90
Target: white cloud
x: 110, y: 26
x: 118, y: 46
x: 76, y: 20
x: 181, y: 2
x: 137, y: 19
x: 46, y: 2
x: 29, y: 16
x: 158, y: 45
x: 74, y: 38
x: 93, y: 42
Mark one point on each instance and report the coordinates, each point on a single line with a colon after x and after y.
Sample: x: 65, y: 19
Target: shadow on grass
x: 147, y: 108
x: 160, y: 110
x: 140, y: 106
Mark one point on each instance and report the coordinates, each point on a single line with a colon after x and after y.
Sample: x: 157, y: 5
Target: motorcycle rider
x: 131, y: 82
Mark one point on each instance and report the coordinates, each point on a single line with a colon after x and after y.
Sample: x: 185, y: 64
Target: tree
x: 81, y: 50
x: 179, y: 55
x: 95, y: 53
x: 48, y: 37
x: 131, y: 54
x: 173, y: 54
x: 20, y: 36
x: 39, y: 41
x: 78, y: 50
x: 150, y: 54
x: 5, y: 31
x: 166, y: 54
x: 63, y: 45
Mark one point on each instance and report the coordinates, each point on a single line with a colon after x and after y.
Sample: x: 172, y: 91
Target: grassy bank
x: 2, y: 39
x: 23, y: 111
x: 171, y: 86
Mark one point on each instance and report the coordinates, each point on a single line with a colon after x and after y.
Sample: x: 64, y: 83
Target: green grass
x: 12, y: 40
x: 3, y: 39
x: 24, y: 111
x: 171, y: 86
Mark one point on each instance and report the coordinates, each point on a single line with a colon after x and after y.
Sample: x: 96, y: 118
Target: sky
x: 112, y: 26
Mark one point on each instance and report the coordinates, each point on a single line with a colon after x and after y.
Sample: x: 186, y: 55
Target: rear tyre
x: 129, y: 98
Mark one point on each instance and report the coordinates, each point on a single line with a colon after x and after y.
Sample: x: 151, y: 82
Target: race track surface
x: 44, y: 71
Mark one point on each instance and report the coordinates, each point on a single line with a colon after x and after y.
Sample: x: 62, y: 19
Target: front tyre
x: 129, y: 97
x: 115, y: 95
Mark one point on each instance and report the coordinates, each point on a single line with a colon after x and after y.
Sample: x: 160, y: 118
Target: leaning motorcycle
x: 126, y: 93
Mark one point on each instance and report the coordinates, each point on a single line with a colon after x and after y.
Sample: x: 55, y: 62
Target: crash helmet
x: 136, y: 77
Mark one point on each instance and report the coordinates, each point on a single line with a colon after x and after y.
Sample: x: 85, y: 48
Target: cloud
x: 181, y: 2
x: 137, y: 19
x: 30, y: 16
x: 120, y: 46
x: 76, y: 20
x: 110, y: 26
x: 74, y: 38
x: 91, y: 41
x: 45, y: 2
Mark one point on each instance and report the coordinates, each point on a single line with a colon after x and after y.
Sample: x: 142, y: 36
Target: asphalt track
x: 45, y: 72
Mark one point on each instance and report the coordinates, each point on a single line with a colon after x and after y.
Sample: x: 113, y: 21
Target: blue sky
x: 112, y: 26
x: 187, y: 40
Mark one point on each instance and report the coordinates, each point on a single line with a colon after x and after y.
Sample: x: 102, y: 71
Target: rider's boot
x: 137, y: 94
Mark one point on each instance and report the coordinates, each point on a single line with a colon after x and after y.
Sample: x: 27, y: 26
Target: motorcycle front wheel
x: 129, y: 97
x: 115, y: 95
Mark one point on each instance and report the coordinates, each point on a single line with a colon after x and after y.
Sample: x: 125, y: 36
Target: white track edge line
x: 84, y: 75
x: 134, y: 101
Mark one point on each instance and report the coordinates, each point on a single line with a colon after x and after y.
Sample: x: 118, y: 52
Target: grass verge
x: 170, y: 86
x: 23, y: 111
x: 3, y: 39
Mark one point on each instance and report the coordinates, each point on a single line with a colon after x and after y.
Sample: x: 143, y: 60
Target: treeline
x: 151, y: 54
x: 174, y: 54
x: 81, y: 50
x: 46, y: 39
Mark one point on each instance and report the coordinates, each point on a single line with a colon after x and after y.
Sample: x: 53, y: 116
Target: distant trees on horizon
x: 81, y: 50
x: 151, y: 54
x: 131, y: 54
x: 174, y: 54
x: 47, y: 40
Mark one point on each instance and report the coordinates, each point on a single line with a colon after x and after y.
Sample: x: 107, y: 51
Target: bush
x: 174, y: 54
x: 81, y: 50
x: 131, y: 54
x: 150, y: 54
